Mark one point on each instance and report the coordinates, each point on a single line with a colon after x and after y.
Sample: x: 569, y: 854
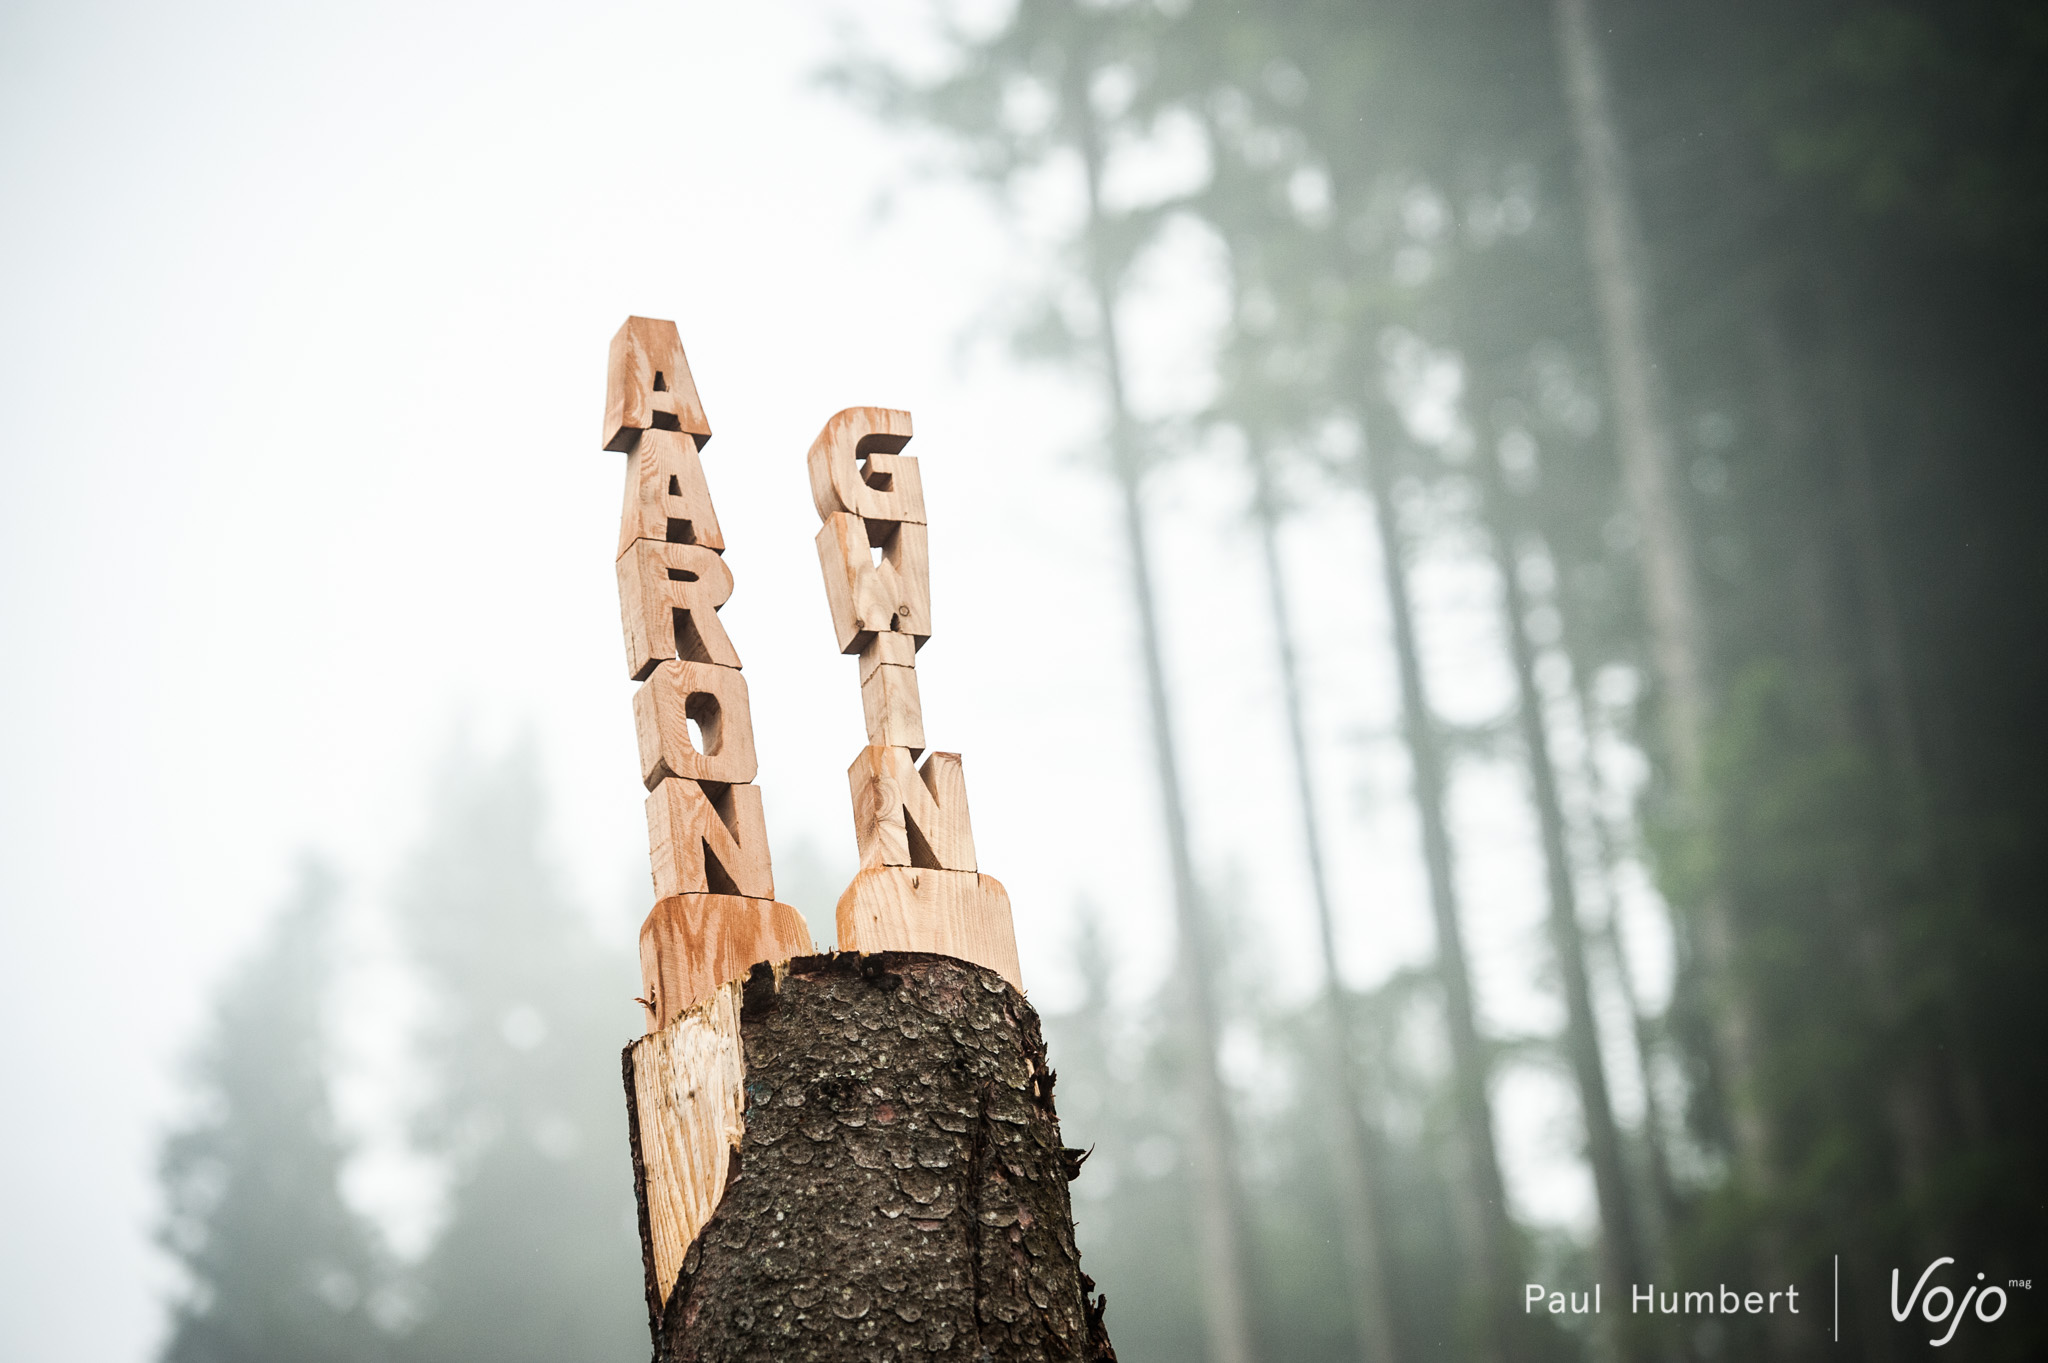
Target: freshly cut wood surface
x: 693, y: 943
x: 712, y: 840
x: 687, y: 1086
x: 854, y: 466
x: 888, y: 649
x: 911, y: 816
x: 895, y: 716
x: 648, y: 385
x: 715, y: 697
x: 952, y: 913
x: 901, y: 1187
x: 666, y: 495
x: 867, y: 597
x: 669, y: 595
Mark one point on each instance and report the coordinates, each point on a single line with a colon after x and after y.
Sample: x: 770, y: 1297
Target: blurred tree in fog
x: 539, y: 1258
x: 1059, y: 54
x: 538, y: 1255
x: 1792, y: 250
x: 1740, y: 311
x: 278, y: 1267
x: 1350, y: 146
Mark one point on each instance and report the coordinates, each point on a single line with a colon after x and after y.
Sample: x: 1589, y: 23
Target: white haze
x: 303, y: 315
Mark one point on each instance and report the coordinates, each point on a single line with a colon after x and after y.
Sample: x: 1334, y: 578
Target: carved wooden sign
x: 716, y: 916
x: 716, y: 913
x: 918, y: 888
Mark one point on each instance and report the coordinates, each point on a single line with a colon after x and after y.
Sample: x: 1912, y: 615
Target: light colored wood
x: 693, y: 943
x: 666, y: 495
x: 689, y: 1096
x: 713, y: 840
x: 888, y: 649
x: 867, y: 597
x: 648, y: 385
x: 952, y: 913
x: 716, y: 698
x: 918, y: 888
x: 656, y: 580
x: 909, y: 816
x: 880, y: 831
x: 895, y: 718
x: 855, y: 467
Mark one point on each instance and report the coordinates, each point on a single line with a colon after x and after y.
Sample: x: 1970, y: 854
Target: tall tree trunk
x: 1612, y: 939
x: 1212, y: 1145
x: 1910, y: 1100
x: 1364, y: 1232
x: 1863, y: 520
x: 1671, y: 589
x: 1470, y: 1068
x: 1620, y: 1249
x: 1905, y: 742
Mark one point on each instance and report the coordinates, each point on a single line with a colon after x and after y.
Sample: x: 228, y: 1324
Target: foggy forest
x: 1592, y: 441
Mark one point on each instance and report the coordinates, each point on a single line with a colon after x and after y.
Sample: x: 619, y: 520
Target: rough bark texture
x: 901, y: 1191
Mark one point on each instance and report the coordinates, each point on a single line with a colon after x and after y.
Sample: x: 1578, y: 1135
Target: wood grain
x: 708, y: 840
x: 888, y: 649
x: 919, y: 888
x: 867, y: 597
x: 666, y: 495
x: 693, y: 943
x: 855, y: 467
x: 895, y: 717
x: 648, y: 385
x: 909, y: 816
x: 669, y: 595
x: 715, y: 697
x: 952, y: 913
x: 689, y: 1105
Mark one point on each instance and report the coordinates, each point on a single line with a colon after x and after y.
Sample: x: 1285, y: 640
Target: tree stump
x: 835, y: 1157
x: 899, y: 1189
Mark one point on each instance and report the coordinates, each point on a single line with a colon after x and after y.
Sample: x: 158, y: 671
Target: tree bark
x: 900, y: 1188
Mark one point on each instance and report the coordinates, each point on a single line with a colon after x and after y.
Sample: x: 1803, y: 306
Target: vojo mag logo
x: 1938, y: 1304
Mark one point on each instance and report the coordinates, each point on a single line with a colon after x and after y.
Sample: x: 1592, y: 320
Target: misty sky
x: 304, y: 315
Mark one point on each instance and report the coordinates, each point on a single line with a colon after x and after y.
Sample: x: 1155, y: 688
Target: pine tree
x: 1061, y: 48
x: 538, y: 1258
x: 279, y: 1267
